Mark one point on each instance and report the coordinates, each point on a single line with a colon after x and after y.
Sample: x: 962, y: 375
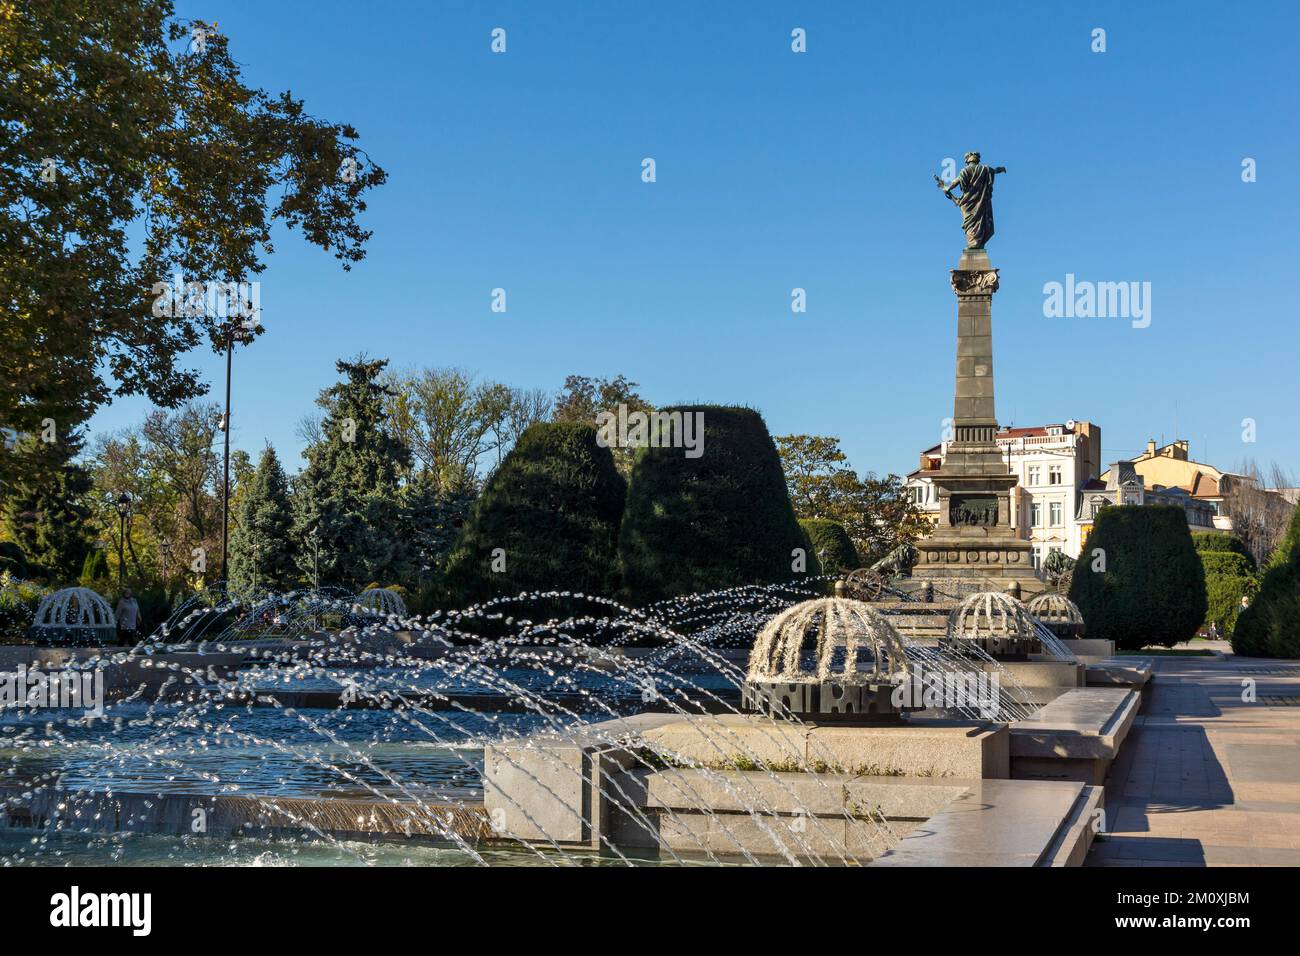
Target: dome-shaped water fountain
x: 858, y: 659
x: 382, y: 601
x: 74, y: 616
x: 1059, y: 614
x: 997, y: 623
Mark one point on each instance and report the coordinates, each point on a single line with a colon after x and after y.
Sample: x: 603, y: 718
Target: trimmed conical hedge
x: 719, y: 520
x: 1270, y: 627
x: 553, y: 508
x: 831, y: 543
x: 1152, y: 587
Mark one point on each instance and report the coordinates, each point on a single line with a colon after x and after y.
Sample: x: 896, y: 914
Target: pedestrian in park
x: 128, y: 617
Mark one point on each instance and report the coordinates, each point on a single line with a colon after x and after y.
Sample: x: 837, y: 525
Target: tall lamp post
x: 123, y: 512
x: 166, y: 558
x: 225, y: 481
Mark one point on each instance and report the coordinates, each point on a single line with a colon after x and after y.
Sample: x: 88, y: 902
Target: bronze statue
x: 976, y: 199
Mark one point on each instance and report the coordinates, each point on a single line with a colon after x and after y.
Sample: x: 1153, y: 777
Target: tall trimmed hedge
x: 1216, y: 541
x: 553, y: 507
x: 831, y: 544
x: 1152, y: 588
x: 720, y: 520
x: 1228, y: 578
x: 1270, y: 627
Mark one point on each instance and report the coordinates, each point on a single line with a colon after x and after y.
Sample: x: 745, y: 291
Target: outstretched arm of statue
x: 999, y: 169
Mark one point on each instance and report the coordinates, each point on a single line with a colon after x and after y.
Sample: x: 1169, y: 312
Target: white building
x: 1052, y: 463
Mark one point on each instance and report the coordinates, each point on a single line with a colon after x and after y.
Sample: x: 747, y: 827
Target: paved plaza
x: 1207, y: 779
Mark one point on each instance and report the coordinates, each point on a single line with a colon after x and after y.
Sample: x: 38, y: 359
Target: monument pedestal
x: 974, y: 538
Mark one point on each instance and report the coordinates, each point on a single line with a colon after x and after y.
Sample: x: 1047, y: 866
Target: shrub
x: 1152, y: 588
x: 718, y: 520
x: 553, y: 508
x: 1270, y: 627
x: 1222, y: 541
x: 18, y: 602
x: 830, y: 542
x: 1228, y: 578
x: 12, y: 560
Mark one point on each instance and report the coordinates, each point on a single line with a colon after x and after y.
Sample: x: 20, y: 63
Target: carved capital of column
x: 965, y: 282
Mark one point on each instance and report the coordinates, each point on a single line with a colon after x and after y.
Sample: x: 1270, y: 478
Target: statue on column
x: 976, y: 199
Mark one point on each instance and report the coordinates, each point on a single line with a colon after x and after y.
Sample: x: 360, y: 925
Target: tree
x: 1142, y: 582
x: 263, y: 549
x: 582, y: 399
x: 719, y: 520
x: 877, y: 513
x: 1270, y: 627
x: 831, y: 544
x: 346, y: 508
x: 134, y: 153
x: 46, y: 513
x: 1259, y: 515
x: 1059, y: 567
x: 548, y: 519
x: 449, y: 421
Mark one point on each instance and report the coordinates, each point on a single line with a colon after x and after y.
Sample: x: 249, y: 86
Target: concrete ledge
x: 1002, y: 823
x: 933, y: 749
x: 1075, y: 737
x: 1121, y: 672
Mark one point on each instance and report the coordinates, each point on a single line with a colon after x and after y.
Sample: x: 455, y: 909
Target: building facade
x: 1051, y: 463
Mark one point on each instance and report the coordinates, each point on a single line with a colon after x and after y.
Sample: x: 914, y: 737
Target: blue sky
x: 778, y: 170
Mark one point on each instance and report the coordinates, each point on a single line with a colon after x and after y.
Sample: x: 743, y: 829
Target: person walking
x: 128, y: 618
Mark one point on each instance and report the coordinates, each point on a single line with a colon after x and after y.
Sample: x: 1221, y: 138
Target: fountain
x: 383, y: 602
x: 996, y: 623
x: 1059, y: 614
x: 74, y: 616
x: 846, y: 634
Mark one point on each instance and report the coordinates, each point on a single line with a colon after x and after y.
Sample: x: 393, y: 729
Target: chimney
x: 1151, y: 448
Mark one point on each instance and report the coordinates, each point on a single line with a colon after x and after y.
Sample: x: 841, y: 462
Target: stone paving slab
x: 1209, y: 776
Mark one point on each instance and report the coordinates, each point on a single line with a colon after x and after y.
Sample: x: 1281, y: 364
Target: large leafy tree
x: 876, y: 512
x: 346, y: 500
x: 1270, y: 627
x: 132, y: 152
x: 263, y: 549
x: 47, y: 516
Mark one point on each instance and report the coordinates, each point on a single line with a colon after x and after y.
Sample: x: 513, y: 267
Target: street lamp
x: 123, y: 512
x: 167, y: 558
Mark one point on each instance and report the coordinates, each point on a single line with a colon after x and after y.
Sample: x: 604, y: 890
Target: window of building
x: 1033, y: 474
x: 1055, y: 513
x: 1054, y: 475
x: 1035, y: 515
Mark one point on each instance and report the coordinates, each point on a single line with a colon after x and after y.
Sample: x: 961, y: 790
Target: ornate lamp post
x: 123, y: 512
x: 166, y: 545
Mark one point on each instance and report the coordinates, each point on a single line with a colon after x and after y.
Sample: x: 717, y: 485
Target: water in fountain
x: 413, y: 755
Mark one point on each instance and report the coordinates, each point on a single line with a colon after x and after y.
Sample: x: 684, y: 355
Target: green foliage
x: 346, y: 502
x: 1229, y: 577
x: 94, y: 568
x: 877, y: 513
x: 553, y: 510
x: 1152, y: 590
x: 18, y: 602
x: 584, y: 399
x: 831, y: 544
x: 12, y: 560
x: 1222, y: 541
x: 1270, y: 627
x: 719, y: 520
x: 44, y: 512
x: 165, y: 163
x: 263, y: 550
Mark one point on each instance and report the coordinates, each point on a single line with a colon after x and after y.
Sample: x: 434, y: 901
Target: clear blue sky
x: 778, y: 170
